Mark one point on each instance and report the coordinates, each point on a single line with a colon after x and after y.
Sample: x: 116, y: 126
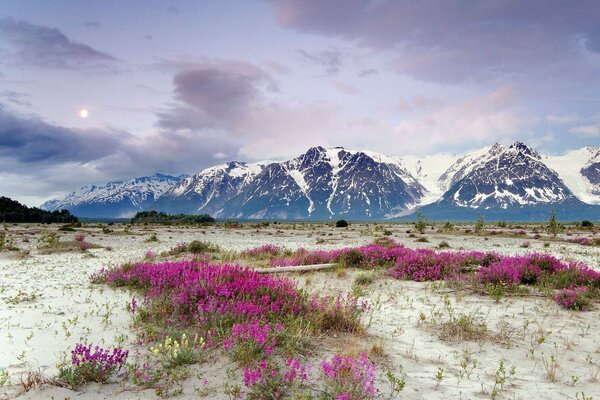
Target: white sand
x: 69, y: 310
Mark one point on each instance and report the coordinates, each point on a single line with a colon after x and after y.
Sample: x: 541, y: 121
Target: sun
x: 83, y: 113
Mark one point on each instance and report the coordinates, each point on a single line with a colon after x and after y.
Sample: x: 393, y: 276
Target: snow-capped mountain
x: 326, y: 183
x: 207, y: 191
x: 513, y: 181
x: 580, y: 170
x: 115, y: 199
x: 502, y: 182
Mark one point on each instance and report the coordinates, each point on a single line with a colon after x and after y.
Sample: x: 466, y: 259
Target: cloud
x: 419, y: 103
x: 345, y: 88
x: 31, y: 140
x: 368, y: 72
x: 476, y: 120
x: 62, y: 159
x: 46, y: 47
x: 329, y: 60
x: 589, y: 131
x: 16, y: 97
x: 447, y: 41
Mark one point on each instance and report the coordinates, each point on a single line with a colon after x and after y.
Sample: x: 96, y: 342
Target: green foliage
x: 421, y: 223
x: 553, y: 227
x: 13, y: 211
x: 198, y: 247
x: 155, y: 217
x: 479, y: 224
x: 448, y: 227
x: 48, y: 239
x: 342, y: 223
x: 586, y: 224
x: 352, y: 258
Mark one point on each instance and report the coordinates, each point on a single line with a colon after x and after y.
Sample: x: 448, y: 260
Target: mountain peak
x: 521, y: 147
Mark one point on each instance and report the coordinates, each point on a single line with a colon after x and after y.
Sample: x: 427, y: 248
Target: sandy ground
x: 47, y: 305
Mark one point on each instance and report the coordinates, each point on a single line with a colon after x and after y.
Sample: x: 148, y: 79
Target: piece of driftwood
x: 296, y: 268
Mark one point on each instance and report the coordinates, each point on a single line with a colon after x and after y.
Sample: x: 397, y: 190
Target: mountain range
x: 500, y: 182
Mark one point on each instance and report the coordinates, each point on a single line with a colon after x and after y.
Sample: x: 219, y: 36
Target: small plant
x: 448, y: 227
x: 3, y: 377
x: 573, y: 299
x: 152, y: 238
x: 439, y: 377
x: 79, y: 237
x: 364, y: 279
x: 421, y: 223
x: 178, y: 352
x: 269, y: 381
x: 143, y: 376
x: 443, y: 245
x: 48, y: 239
x: 89, y: 365
x: 553, y: 227
x: 197, y: 247
x: 479, y: 224
x: 422, y: 239
x: 396, y: 384
x: 342, y: 223
x: 345, y: 377
x: 551, y: 367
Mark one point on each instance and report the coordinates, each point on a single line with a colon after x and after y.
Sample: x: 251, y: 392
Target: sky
x: 97, y: 91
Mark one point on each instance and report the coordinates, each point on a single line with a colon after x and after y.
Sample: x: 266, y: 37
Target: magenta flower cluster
x: 431, y: 265
x: 528, y: 269
x: 263, y: 251
x: 294, y: 371
x: 572, y: 299
x: 104, y: 359
x: 348, y: 378
x: 254, y: 336
x: 581, y: 240
x: 229, y: 305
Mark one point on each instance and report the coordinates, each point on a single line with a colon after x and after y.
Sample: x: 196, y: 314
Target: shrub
x: 342, y: 223
x: 263, y: 251
x: 479, y: 224
x: 586, y: 224
x: 553, y: 227
x: 421, y: 223
x: 174, y: 352
x: 48, y: 239
x: 198, y: 246
x: 448, y: 227
x: 91, y: 366
x: 347, y: 378
x: 269, y: 381
x: 573, y: 299
x: 352, y: 258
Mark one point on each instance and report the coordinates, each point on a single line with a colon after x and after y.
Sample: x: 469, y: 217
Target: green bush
x: 342, y: 223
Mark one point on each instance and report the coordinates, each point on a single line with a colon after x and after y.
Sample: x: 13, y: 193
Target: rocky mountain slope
x: 508, y: 182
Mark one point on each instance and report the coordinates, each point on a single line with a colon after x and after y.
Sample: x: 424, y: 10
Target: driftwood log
x: 296, y: 268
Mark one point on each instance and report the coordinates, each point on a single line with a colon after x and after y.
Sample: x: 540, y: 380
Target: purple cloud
x: 455, y: 41
x: 47, y: 47
x: 329, y: 60
x: 31, y: 140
